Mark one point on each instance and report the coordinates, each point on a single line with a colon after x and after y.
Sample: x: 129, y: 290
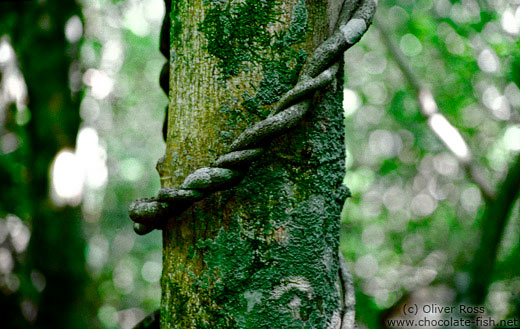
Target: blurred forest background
x: 432, y: 115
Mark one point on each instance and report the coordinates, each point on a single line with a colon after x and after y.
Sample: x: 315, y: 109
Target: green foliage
x: 413, y: 207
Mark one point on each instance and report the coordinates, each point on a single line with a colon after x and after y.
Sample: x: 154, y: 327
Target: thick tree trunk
x: 265, y: 253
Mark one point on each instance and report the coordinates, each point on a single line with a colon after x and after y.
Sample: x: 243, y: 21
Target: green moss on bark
x: 279, y: 57
x: 241, y: 33
x: 276, y: 261
x: 264, y: 254
x: 238, y: 32
x: 176, y: 23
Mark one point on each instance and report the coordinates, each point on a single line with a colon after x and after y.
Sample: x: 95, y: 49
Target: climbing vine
x: 280, y: 109
x: 230, y: 168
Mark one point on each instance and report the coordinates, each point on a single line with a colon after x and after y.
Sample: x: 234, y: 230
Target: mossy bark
x: 263, y: 254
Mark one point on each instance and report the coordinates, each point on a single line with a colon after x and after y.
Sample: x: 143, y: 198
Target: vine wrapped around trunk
x: 251, y: 179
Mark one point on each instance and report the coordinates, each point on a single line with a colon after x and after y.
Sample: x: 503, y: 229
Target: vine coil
x: 229, y: 169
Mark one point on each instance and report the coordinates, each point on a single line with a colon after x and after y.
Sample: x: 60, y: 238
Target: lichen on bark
x: 263, y: 254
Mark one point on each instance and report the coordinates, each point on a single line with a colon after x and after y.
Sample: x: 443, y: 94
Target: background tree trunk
x: 57, y: 246
x: 263, y: 254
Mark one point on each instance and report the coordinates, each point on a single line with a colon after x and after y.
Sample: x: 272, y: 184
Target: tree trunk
x: 37, y: 35
x: 263, y: 254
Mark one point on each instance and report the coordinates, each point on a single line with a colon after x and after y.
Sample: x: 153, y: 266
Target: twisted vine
x: 229, y: 169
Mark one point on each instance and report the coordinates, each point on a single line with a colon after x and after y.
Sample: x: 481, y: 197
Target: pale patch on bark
x: 294, y: 306
x: 293, y: 282
x: 335, y: 321
x: 280, y: 234
x: 253, y: 298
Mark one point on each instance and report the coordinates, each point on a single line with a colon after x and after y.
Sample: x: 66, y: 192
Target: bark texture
x: 263, y: 254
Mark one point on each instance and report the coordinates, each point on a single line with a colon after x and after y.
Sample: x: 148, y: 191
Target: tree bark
x: 263, y: 254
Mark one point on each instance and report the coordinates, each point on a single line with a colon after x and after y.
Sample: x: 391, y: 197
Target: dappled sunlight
x: 101, y: 84
x: 458, y: 108
x: 488, y: 61
x: 67, y: 175
x: 512, y: 138
x: 376, y: 92
x: 93, y: 158
x: 131, y: 169
x: 128, y: 318
x: 73, y: 29
x: 124, y: 276
x: 366, y: 266
x: 394, y: 198
x: 19, y: 233
x: 112, y: 56
x: 122, y: 112
x: 151, y: 271
x: 449, y: 136
x: 134, y: 20
x: 445, y: 164
x: 15, y: 87
x: 374, y: 63
x: 373, y: 236
x: 471, y: 199
x: 383, y: 143
x: 496, y: 102
x: 423, y: 205
x: 73, y: 171
x: 6, y: 261
x: 108, y: 315
x: 513, y: 94
x: 501, y: 295
x: 428, y: 105
x: 511, y: 21
x: 351, y: 102
x: 14, y: 240
x: 6, y: 51
x: 97, y: 253
x: 410, y: 45
x: 12, y: 90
